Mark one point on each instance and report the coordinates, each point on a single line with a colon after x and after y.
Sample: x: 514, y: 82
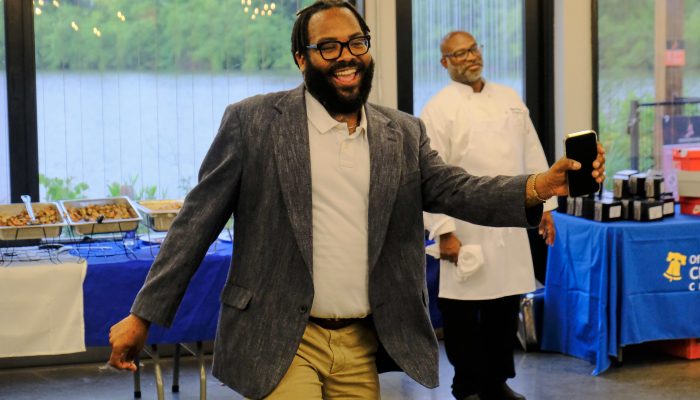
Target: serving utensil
x: 28, y: 205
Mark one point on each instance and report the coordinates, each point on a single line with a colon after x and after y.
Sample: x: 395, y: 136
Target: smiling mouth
x: 346, y: 76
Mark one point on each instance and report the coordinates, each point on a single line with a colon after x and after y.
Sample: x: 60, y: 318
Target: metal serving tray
x: 106, y: 225
x: 39, y: 231
x: 159, y: 214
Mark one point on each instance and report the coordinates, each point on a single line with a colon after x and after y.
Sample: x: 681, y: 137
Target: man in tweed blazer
x: 327, y: 191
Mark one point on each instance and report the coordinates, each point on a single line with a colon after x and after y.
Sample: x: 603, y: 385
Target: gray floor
x: 644, y: 374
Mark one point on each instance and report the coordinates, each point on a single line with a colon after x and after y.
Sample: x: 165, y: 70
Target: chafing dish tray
x: 15, y: 222
x: 90, y: 216
x: 159, y: 214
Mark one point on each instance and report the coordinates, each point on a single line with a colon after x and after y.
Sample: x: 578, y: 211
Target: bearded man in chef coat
x: 484, y: 128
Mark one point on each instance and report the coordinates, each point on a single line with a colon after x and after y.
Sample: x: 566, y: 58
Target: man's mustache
x: 346, y: 64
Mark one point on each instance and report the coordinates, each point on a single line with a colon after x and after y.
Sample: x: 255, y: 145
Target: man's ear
x: 301, y: 61
x: 443, y: 62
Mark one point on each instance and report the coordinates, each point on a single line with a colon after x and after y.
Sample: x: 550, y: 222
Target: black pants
x: 479, y: 338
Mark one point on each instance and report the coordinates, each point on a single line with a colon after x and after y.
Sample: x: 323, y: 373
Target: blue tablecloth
x: 115, y: 276
x: 606, y: 286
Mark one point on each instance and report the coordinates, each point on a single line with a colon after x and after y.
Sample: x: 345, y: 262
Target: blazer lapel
x: 291, y: 148
x: 385, y: 172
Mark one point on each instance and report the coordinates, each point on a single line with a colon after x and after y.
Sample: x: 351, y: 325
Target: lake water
x: 153, y: 130
x: 145, y: 129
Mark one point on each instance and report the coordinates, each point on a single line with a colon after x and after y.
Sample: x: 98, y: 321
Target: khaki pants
x: 332, y: 364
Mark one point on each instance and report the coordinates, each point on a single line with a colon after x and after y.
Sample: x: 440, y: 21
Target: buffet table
x: 113, y: 281
x: 59, y: 303
x: 614, y: 284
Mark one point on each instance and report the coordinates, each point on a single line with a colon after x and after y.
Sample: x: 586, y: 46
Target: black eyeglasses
x: 463, y: 54
x: 332, y: 49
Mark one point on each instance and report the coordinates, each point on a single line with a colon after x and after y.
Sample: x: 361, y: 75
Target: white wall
x: 573, y: 76
x: 380, y: 15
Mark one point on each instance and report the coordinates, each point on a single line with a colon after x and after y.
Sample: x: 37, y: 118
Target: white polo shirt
x: 339, y: 198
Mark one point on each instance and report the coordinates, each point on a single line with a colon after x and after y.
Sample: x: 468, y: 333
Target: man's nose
x: 345, y: 53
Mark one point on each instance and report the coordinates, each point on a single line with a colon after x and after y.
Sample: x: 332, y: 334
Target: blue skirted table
x: 610, y: 285
x: 114, y: 277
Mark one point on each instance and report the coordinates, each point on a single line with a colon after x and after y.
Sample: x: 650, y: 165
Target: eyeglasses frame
x: 346, y: 44
x: 476, y: 50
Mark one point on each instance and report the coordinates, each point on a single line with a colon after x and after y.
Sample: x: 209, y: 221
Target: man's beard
x: 319, y: 84
x: 464, y: 75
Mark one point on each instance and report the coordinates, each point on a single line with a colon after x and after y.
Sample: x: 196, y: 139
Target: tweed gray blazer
x: 258, y: 169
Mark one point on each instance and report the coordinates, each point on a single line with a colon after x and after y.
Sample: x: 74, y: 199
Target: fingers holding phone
x: 565, y: 176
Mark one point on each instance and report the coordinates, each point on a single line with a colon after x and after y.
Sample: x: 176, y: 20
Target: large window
x: 130, y: 93
x: 496, y: 24
x: 648, y: 81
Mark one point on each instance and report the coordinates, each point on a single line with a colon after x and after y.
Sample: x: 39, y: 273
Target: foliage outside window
x: 130, y: 93
x: 626, y: 34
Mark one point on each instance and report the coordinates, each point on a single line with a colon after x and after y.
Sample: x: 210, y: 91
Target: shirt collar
x: 466, y: 89
x: 322, y: 120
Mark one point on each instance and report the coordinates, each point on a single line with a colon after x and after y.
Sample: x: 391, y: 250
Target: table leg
x: 137, y: 378
x: 199, y: 353
x: 176, y: 369
x: 202, y: 372
x: 159, y: 374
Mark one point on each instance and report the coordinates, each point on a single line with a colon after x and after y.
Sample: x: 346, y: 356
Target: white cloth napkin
x: 470, y: 259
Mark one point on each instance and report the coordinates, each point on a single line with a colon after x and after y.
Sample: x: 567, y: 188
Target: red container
x: 684, y: 348
x: 690, y: 205
x: 687, y: 159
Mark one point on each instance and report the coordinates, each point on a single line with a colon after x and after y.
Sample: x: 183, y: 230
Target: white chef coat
x: 486, y: 133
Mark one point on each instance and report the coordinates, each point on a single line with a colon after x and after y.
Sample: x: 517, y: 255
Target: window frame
x: 539, y: 65
x: 21, y: 99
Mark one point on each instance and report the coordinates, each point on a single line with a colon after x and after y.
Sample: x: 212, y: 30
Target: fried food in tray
x: 159, y: 214
x: 48, y: 215
x: 15, y: 223
x: 95, y: 212
x: 110, y: 215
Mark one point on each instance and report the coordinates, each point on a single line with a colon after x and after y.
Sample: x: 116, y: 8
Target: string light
x: 266, y: 8
x: 74, y: 26
x: 96, y: 31
x: 56, y: 3
x: 121, y: 16
x: 37, y: 11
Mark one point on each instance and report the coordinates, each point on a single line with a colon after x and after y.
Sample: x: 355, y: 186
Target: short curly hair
x: 300, y: 31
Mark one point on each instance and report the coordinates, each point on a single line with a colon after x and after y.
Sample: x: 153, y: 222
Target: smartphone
x: 582, y: 147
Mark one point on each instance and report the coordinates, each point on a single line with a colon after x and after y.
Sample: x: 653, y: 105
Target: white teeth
x: 345, y: 72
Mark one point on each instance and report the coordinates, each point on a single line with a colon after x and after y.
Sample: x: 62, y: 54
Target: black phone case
x: 584, y: 149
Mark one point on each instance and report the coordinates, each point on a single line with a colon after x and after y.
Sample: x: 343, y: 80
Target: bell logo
x: 675, y: 262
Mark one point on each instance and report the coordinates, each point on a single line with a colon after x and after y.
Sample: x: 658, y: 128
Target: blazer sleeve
x: 489, y: 201
x: 205, y: 211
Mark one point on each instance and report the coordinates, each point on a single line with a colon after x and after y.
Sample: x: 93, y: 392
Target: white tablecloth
x: 41, y: 308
